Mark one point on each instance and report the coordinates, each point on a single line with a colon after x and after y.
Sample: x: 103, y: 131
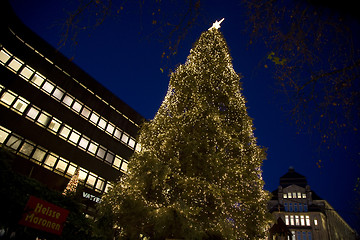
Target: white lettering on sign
x: 91, y: 197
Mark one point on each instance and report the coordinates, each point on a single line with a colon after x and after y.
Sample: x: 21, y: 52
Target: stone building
x: 306, y: 215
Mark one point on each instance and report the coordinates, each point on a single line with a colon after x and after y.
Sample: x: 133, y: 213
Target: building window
x: 54, y: 125
x: 294, y: 194
x: 290, y: 207
x: 8, y: 98
x: 77, y: 106
x: 61, y: 165
x: 309, y: 236
x: 297, y: 221
x: 15, y: 64
x: 300, y: 207
x: 284, y: 195
x: 91, y: 180
x: 84, y: 142
x: 74, y: 137
x: 307, y: 219
x: 131, y: 143
x: 299, y: 195
x: 298, y: 235
x: 48, y: 87
x: 293, y: 235
x: 3, y: 135
x: 295, y: 207
x: 286, y: 207
x: 291, y: 220
x: 50, y: 160
x: 27, y: 72
x: 289, y: 195
x: 85, y: 112
x: 101, y: 153
x: 94, y: 118
x: 13, y: 142
x: 32, y: 113
x: 93, y: 147
x: 117, y: 162
x: 102, y: 123
x: 27, y: 148
x: 304, y: 195
x: 305, y: 207
x: 68, y: 100
x: 287, y: 220
x: 124, y: 166
x: 39, y: 155
x: 58, y: 93
x: 315, y: 222
x: 4, y: 56
x: 37, y: 79
x: 124, y: 138
x: 302, y: 220
x: 43, y: 119
x: 110, y: 157
x: 110, y: 128
x: 21, y: 104
x: 65, y: 131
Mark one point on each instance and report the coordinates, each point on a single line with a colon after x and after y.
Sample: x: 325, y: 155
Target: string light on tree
x: 73, y: 183
x: 199, y: 172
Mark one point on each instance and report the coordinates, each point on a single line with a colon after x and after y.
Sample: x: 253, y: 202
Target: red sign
x: 44, y: 216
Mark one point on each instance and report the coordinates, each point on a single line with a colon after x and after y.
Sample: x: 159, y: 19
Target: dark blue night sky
x: 121, y: 55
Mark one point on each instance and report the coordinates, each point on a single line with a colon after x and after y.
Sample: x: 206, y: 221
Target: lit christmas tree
x: 73, y: 183
x: 198, y: 174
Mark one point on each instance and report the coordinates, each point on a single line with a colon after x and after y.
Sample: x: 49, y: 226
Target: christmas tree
x: 198, y: 174
x: 73, y: 183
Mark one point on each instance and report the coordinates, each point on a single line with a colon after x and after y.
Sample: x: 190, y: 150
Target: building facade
x: 56, y: 118
x: 305, y: 214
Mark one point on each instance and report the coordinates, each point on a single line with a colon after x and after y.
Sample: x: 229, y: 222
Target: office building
x: 56, y: 118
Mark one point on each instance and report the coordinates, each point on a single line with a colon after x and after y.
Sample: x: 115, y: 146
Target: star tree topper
x: 216, y: 24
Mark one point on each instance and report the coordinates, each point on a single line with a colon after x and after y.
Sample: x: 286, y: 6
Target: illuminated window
x: 3, y: 136
x: 71, y: 170
x: 299, y: 195
x: 304, y: 195
x: 117, y: 162
x: 32, y: 113
x: 100, y: 184
x: 315, y: 222
x: 138, y: 147
x: 110, y: 128
x: 125, y: 138
x: 124, y: 166
x: 302, y: 220
x: 50, y: 160
x: 27, y: 148
x: 108, y: 187
x: 84, y: 142
x: 297, y: 221
x: 21, y: 104
x: 4, y: 56
x: 91, y: 180
x: 82, y: 174
x: 54, y: 125
x: 117, y: 133
x: 294, y: 194
x: 293, y: 235
x: 58, y: 93
x: 43, y: 119
x: 94, y: 118
x: 61, y: 165
x: 77, y: 106
x: 85, y: 112
x: 287, y: 219
x: 38, y: 155
x: 48, y: 87
x: 102, y: 123
x: 13, y: 142
x: 27, y: 72
x: 289, y: 195
x: 8, y: 98
x: 292, y: 220
x: 68, y: 100
x: 37, y: 79
x: 93, y: 147
x: 307, y: 220
x: 74, y: 136
x: 65, y: 131
x: 285, y: 195
x: 131, y: 143
x: 15, y: 64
